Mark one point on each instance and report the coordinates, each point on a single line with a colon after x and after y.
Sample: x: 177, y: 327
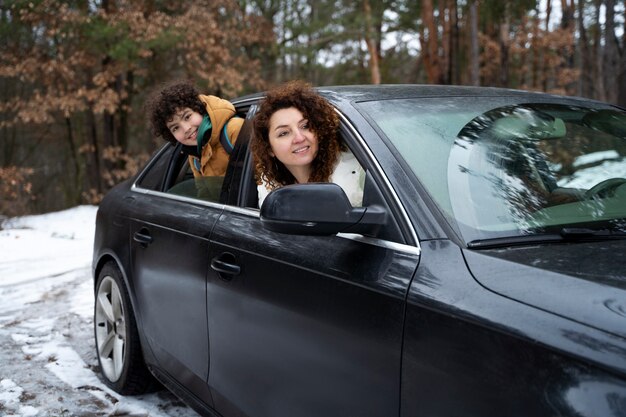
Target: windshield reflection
x: 514, y: 169
x: 537, y: 168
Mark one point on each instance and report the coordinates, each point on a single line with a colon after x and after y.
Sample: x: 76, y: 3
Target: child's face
x: 184, y: 126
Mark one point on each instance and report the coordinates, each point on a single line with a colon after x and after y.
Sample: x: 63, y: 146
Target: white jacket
x: 348, y: 174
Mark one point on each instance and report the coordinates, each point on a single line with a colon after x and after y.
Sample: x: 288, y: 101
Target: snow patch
x: 48, y: 363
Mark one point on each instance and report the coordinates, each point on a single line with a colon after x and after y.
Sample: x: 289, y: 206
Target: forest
x: 74, y: 75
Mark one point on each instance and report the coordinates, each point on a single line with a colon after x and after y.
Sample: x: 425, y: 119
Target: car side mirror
x: 318, y: 209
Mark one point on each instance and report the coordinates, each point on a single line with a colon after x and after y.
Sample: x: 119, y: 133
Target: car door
x: 305, y: 325
x: 169, y: 235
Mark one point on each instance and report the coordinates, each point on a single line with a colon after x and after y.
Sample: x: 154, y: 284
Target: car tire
x: 117, y: 340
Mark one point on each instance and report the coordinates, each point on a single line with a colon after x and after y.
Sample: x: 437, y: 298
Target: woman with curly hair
x: 296, y: 141
x: 204, y: 125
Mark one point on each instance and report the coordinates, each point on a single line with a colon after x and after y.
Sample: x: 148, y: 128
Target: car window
x: 349, y: 174
x: 424, y: 130
x: 171, y: 173
x: 207, y: 188
x: 240, y: 189
x: 502, y: 169
x: 153, y: 176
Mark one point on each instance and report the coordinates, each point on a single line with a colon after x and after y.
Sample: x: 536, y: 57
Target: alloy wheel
x: 110, y: 328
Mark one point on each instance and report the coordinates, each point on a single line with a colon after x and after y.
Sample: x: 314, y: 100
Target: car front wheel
x: 117, y: 339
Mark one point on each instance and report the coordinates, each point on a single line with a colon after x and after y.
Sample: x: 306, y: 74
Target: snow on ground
x: 48, y: 365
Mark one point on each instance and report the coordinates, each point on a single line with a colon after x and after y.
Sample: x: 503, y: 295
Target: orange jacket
x: 214, y: 158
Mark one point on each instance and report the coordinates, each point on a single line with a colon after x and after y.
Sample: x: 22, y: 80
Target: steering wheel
x: 604, y: 188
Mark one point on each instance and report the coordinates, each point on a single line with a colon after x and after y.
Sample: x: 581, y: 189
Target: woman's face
x: 184, y: 126
x: 292, y: 140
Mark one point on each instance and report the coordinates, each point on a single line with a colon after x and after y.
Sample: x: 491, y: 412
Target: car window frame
x: 174, y: 157
x: 407, y: 240
x: 376, y: 175
x: 175, y: 163
x: 154, y: 162
x: 240, y: 171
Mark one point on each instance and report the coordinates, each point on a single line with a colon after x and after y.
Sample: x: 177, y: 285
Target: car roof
x: 396, y: 91
x: 391, y: 91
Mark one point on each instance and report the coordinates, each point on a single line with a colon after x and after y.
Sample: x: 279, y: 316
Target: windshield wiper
x: 576, y: 233
x: 500, y: 242
x: 566, y: 234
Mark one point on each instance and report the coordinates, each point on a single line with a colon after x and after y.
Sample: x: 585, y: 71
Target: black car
x: 484, y: 274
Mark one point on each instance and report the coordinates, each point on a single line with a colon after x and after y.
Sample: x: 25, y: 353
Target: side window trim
x: 173, y: 170
x: 383, y: 243
x: 240, y: 172
x: 162, y: 194
x: 376, y: 175
x: 247, y: 176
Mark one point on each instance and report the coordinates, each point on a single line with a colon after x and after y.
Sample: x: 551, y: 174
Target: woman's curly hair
x: 323, y: 121
x: 163, y: 104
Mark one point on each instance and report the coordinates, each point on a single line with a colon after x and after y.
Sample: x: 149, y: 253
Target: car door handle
x: 143, y: 237
x: 225, y: 264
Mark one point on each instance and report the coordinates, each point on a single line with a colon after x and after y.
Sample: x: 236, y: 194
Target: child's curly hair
x: 163, y: 104
x: 323, y: 121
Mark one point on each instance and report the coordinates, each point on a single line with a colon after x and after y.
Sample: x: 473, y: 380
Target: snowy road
x: 48, y: 365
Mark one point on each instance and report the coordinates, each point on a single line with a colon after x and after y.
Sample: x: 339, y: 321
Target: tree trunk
x: 125, y: 105
x: 536, y: 52
x: 474, y: 51
x: 312, y: 50
x: 8, y: 135
x: 75, y: 190
x: 93, y: 158
x: 611, y: 59
x: 586, y: 83
x: 567, y: 13
x: 568, y: 25
x: 505, y: 42
x: 521, y: 67
x: 453, y: 76
x: 546, y: 69
x: 430, y: 46
x: 597, y: 69
x: 372, y: 43
x: 621, y: 77
x: 444, y: 21
x: 269, y: 67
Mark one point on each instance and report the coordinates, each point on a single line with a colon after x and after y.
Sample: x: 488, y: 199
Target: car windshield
x: 501, y: 167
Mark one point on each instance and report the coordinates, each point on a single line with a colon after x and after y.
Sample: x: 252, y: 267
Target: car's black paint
x: 516, y: 360
x: 594, y: 274
x: 309, y: 326
x: 240, y: 320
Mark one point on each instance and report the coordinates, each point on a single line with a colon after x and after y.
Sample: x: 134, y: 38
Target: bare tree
x: 586, y: 82
x: 611, y: 59
x: 475, y: 53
